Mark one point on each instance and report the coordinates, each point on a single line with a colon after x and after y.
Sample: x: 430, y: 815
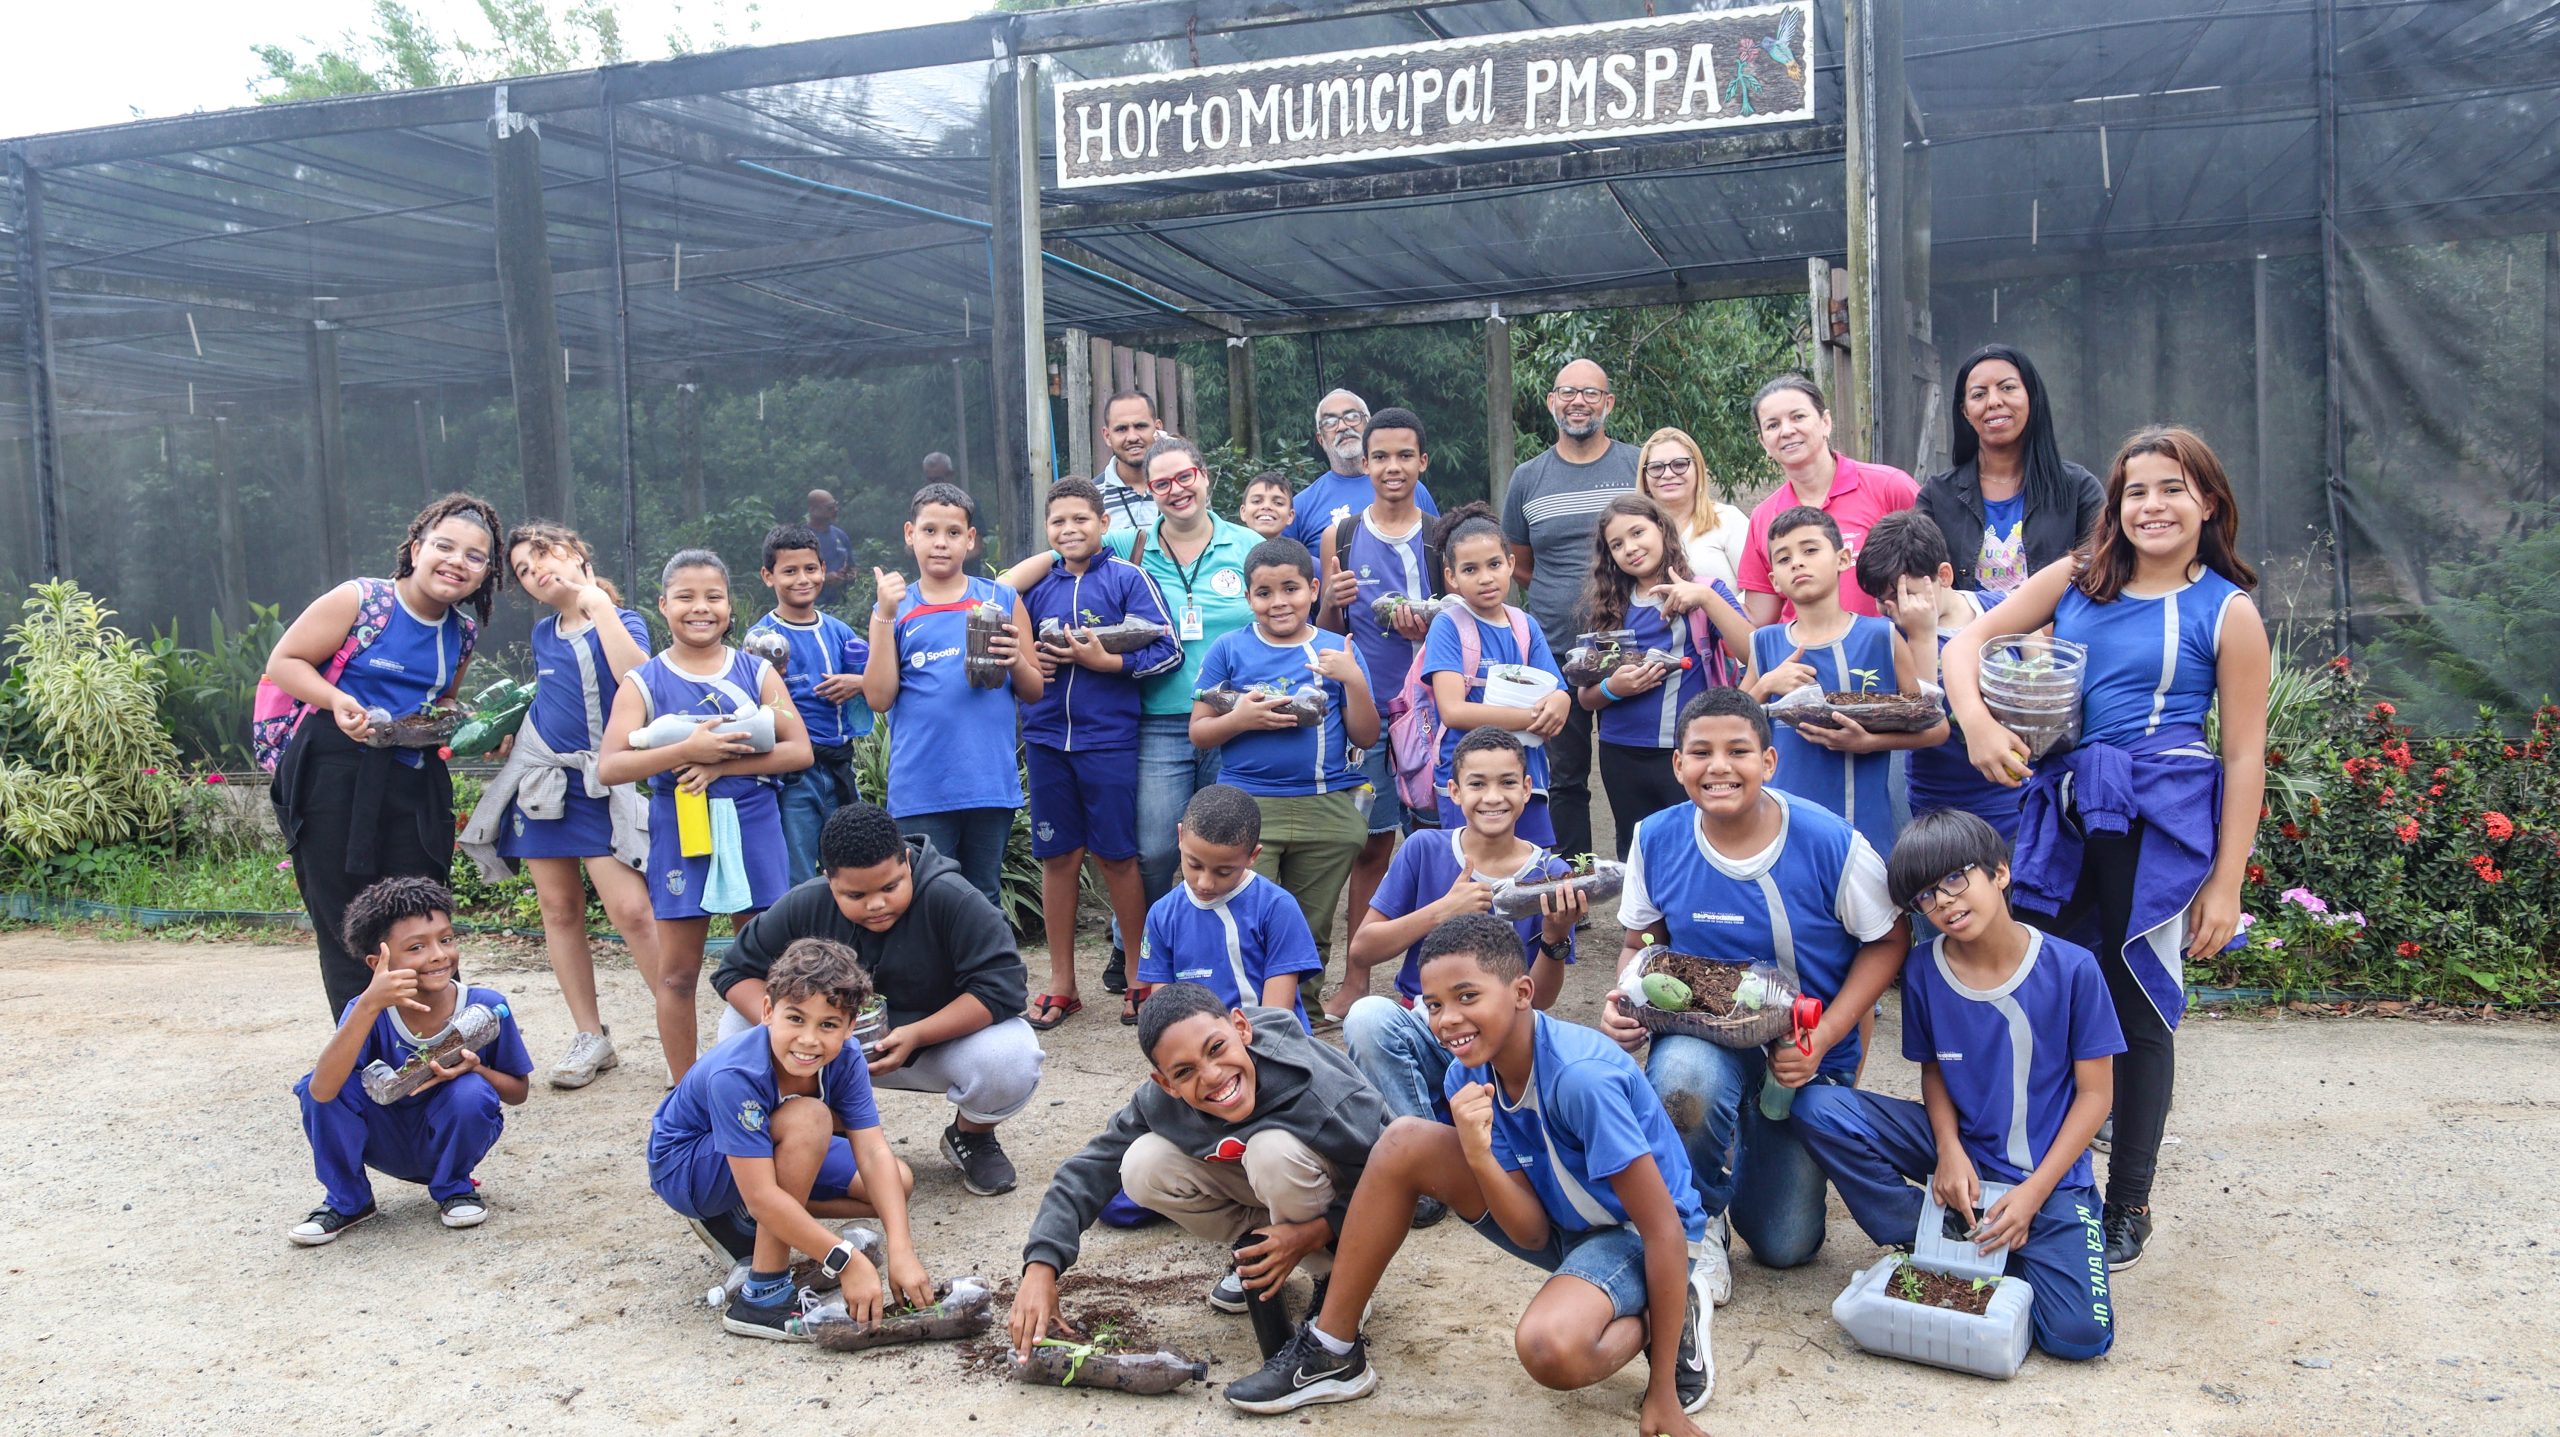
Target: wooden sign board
x: 1720, y: 70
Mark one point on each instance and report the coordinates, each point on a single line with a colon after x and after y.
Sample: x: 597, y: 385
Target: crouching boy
x: 1245, y: 1126
x: 753, y: 1174
x: 438, y: 1134
x: 2015, y: 1037
x: 1559, y: 1152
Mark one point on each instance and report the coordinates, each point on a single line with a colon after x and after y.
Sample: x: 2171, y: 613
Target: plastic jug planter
x: 2031, y: 684
x: 1387, y: 607
x: 871, y: 1024
x: 1057, y: 1362
x: 1946, y: 1305
x: 1125, y: 637
x: 1601, y: 878
x: 1587, y: 664
x: 965, y: 1308
x: 474, y: 1027
x: 1728, y: 1004
x: 1879, y: 711
x: 496, y: 713
x: 755, y: 725
x: 771, y: 647
x: 430, y: 728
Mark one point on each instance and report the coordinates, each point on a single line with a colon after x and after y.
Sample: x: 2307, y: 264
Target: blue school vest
x: 1858, y: 787
x: 2151, y: 660
x: 671, y: 692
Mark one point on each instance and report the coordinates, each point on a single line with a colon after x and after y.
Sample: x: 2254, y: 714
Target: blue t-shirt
x: 822, y: 650
x: 1285, y: 762
x: 1943, y: 775
x: 392, y: 1041
x: 1082, y: 710
x: 729, y: 1096
x: 1423, y: 869
x: 2002, y: 565
x: 1588, y: 1113
x: 1385, y: 566
x: 565, y: 697
x: 1858, y: 787
x: 669, y: 690
x: 2006, y: 1054
x: 1442, y: 653
x: 2137, y: 682
x: 950, y: 746
x: 1331, y: 497
x: 835, y: 550
x: 1652, y: 719
x: 1231, y: 947
x: 1808, y: 902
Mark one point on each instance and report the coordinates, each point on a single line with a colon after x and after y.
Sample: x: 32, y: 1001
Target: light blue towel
x: 724, y: 885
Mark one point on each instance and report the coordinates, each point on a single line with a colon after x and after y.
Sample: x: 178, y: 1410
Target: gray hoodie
x: 1301, y: 1087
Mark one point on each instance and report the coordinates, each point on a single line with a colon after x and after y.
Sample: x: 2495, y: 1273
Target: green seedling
x: 1907, y: 1281
x: 1867, y: 679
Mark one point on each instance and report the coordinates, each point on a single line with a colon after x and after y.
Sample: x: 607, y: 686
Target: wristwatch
x: 836, y: 1260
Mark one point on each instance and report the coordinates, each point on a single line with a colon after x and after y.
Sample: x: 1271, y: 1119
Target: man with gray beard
x: 1548, y: 513
x: 1342, y: 422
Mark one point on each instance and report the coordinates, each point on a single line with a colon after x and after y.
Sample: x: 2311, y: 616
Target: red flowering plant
x: 2446, y: 889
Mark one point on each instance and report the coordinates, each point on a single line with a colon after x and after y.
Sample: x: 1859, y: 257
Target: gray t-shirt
x: 1552, y: 507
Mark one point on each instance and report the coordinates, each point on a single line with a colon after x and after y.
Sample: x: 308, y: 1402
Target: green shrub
x: 92, y: 763
x: 205, y: 694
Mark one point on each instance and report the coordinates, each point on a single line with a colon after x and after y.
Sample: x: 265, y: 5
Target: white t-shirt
x: 1717, y: 554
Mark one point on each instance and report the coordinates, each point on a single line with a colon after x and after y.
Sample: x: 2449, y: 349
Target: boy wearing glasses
x: 2016, y: 1040
x: 1743, y: 873
x: 1342, y: 426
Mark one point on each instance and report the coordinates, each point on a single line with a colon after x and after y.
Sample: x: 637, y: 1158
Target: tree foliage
x: 403, y: 48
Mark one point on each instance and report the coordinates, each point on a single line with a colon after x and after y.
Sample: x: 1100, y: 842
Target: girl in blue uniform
x: 700, y: 675
x: 350, y: 813
x: 1640, y: 580
x: 2139, y: 836
x: 1476, y: 566
x: 581, y: 649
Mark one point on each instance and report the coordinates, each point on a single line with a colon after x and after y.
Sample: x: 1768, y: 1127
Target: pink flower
x: 151, y: 773
x: 2305, y: 898
x: 284, y: 865
x: 215, y: 778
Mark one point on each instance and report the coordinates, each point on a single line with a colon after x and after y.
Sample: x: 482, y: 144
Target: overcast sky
x: 101, y: 62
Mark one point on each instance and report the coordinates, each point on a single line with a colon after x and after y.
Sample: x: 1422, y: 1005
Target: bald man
x: 835, y: 547
x: 938, y: 468
x: 1342, y: 423
x: 1548, y: 513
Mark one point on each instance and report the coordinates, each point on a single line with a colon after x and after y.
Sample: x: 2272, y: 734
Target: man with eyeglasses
x: 1342, y: 422
x: 1128, y: 427
x: 1548, y: 514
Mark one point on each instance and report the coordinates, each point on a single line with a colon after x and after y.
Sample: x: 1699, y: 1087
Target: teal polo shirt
x: 1214, y: 583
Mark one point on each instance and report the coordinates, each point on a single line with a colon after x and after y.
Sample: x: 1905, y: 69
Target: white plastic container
x: 1992, y: 1345
x: 1938, y: 1249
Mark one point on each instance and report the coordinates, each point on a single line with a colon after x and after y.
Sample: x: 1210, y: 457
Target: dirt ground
x: 2357, y: 1236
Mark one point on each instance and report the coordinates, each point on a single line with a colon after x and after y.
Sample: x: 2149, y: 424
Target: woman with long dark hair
x: 2012, y: 504
x: 352, y: 813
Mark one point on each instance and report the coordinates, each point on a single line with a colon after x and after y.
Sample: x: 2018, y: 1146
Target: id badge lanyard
x: 1189, y: 625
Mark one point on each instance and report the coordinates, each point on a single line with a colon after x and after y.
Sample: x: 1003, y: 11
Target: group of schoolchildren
x: 1743, y: 843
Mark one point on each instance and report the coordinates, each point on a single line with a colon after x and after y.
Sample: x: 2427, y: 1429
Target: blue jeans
x: 1875, y: 1148
x: 972, y: 837
x: 1393, y: 1048
x: 1755, y: 1171
x: 1170, y: 770
x: 808, y: 797
x: 1609, y: 1258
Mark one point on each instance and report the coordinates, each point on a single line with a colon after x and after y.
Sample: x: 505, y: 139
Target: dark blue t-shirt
x: 730, y: 1096
x: 2005, y: 1055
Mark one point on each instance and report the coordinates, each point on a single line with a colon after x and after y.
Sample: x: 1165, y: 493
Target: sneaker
x: 779, y: 1323
x: 1695, y: 1376
x: 1428, y: 1210
x: 1115, y: 973
x: 2127, y: 1228
x: 2105, y: 1141
x: 984, y: 1169
x: 1229, y: 1294
x: 325, y: 1223
x: 588, y: 1055
x: 732, y: 1239
x: 1303, y: 1374
x: 1315, y: 1304
x: 1715, y: 1260
x: 462, y: 1210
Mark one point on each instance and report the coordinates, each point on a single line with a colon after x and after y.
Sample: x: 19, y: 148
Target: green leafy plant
x: 1906, y: 1280
x: 1867, y: 679
x: 100, y: 769
x: 206, y: 693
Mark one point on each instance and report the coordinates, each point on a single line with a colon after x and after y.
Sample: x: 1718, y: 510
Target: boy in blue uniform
x: 1844, y: 767
x: 437, y: 1135
x: 732, y: 1156
x: 1080, y: 739
x: 1559, y: 1153
x: 1743, y: 873
x: 1225, y: 926
x: 1903, y: 565
x: 2016, y: 1040
x: 824, y: 676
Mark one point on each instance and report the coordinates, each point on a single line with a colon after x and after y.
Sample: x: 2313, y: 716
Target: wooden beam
x: 1730, y: 282
x: 231, y: 583
x: 1078, y: 347
x: 1501, y: 436
x: 1011, y: 331
x: 35, y: 301
x: 311, y: 119
x: 960, y: 423
x: 626, y: 460
x: 534, y: 359
x: 1244, y: 427
x: 1855, y: 408
x: 1031, y: 267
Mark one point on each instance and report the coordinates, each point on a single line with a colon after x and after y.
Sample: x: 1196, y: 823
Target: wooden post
x: 623, y: 455
x: 1079, y: 373
x: 1124, y: 372
x: 1169, y: 397
x: 1830, y: 364
x: 1872, y: 130
x: 325, y: 449
x: 1189, y: 388
x: 2550, y: 363
x: 426, y: 462
x: 1244, y: 427
x: 1501, y: 435
x: 960, y: 424
x: 1018, y: 335
x: 532, y: 320
x: 231, y: 586
x: 2262, y: 359
x: 690, y: 500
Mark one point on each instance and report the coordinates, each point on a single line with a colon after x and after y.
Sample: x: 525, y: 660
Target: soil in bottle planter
x: 1877, y: 711
x: 1113, y: 1348
x: 433, y: 728
x: 964, y: 1308
x: 1125, y: 637
x: 1598, y: 877
x: 1914, y: 1283
x: 1732, y: 1005
x: 476, y: 1026
x: 770, y: 646
x: 1308, y: 702
x: 986, y: 671
x: 1387, y: 607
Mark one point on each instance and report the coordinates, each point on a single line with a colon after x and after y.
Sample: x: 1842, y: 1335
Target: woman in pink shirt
x: 1795, y: 428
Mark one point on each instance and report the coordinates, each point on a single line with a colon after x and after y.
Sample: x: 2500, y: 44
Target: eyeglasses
x: 1348, y: 418
x: 468, y: 558
x: 1942, y: 890
x: 1583, y: 392
x: 1667, y: 466
x: 1182, y: 479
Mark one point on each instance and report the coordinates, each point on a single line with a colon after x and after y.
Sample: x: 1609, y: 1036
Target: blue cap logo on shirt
x: 751, y: 1116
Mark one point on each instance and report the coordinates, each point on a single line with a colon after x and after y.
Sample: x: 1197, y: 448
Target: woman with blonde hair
x: 1672, y: 471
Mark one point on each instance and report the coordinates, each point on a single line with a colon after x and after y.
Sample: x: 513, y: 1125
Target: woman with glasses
x: 351, y: 812
x: 1673, y: 473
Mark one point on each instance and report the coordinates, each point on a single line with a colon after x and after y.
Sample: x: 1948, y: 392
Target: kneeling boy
x: 1562, y: 1156
x: 438, y: 1134
x: 2015, y: 1037
x: 731, y: 1155
x: 1245, y: 1125
x: 1225, y: 926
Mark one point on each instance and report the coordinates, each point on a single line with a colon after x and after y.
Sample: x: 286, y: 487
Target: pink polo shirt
x: 1860, y: 495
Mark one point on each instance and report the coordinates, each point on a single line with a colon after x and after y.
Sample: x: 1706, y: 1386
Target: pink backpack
x: 1413, y: 733
x: 275, y: 716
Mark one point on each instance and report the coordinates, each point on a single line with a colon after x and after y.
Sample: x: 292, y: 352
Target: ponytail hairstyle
x: 2111, y: 556
x: 458, y: 506
x: 548, y: 540
x: 1459, y: 525
x: 1610, y: 591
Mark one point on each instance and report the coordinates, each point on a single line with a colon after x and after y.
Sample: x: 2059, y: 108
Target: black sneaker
x: 325, y: 1223
x: 1428, y: 1210
x: 1303, y: 1374
x: 731, y: 1238
x: 780, y: 1322
x: 984, y: 1169
x: 1115, y: 973
x: 2127, y: 1228
x: 1695, y: 1376
x: 463, y: 1210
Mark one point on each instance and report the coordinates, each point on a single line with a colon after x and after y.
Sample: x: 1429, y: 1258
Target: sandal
x: 1129, y: 1002
x: 1050, y: 1009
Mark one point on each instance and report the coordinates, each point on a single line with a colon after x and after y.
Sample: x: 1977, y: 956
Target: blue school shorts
x: 1609, y: 1258
x: 1087, y: 799
x: 695, y: 1179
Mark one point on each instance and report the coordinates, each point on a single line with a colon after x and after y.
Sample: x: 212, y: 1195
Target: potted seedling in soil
x: 1600, y: 878
x: 985, y: 670
x: 871, y: 1024
x: 431, y: 727
x: 963, y: 1308
x: 1124, y: 637
x: 1307, y: 701
x: 1733, y: 1005
x: 1387, y: 608
x: 1596, y: 655
x: 1114, y: 1352
x: 1901, y: 1308
x: 1873, y: 707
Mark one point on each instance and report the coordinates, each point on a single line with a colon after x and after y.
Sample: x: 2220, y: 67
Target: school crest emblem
x: 675, y: 882
x: 751, y: 1116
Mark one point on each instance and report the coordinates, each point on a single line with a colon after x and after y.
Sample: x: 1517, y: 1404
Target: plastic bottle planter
x: 871, y: 1024
x: 771, y: 647
x: 1600, y: 878
x: 1307, y: 701
x: 986, y: 671
x: 1387, y: 607
x: 2031, y: 684
x: 865, y: 1240
x: 964, y: 1308
x: 474, y: 1027
x: 1883, y: 711
x: 1058, y: 1363
x: 1584, y: 667
x: 756, y: 726
x: 1125, y: 637
x: 1991, y: 1344
x: 1728, y: 1004
x: 1941, y: 1245
x: 428, y: 729
x: 496, y: 713
x: 1597, y: 654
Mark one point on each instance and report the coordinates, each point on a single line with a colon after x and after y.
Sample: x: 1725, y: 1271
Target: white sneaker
x: 1714, y: 1262
x: 1696, y: 1377
x: 588, y: 1055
